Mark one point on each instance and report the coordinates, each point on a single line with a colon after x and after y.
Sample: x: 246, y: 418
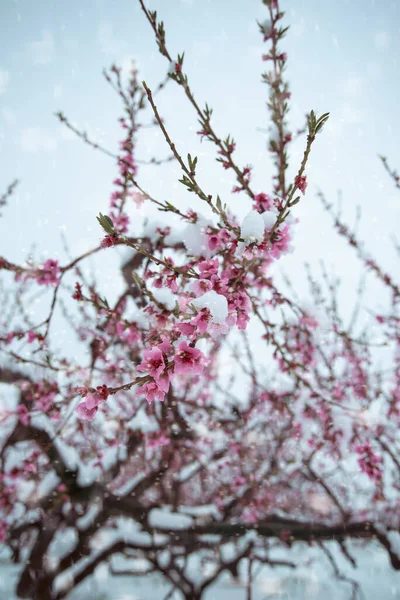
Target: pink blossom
x: 152, y: 392
x: 370, y: 463
x: 89, y: 407
x: 208, y: 268
x: 49, y: 274
x: 189, y: 360
x: 23, y: 414
x: 163, y: 382
x: 165, y: 345
x: 174, y: 67
x: 138, y: 198
x: 301, y: 183
x: 249, y: 252
x: 153, y: 361
x: 218, y: 240
x: 242, y: 320
x: 119, y: 328
x: 202, y: 320
x: 44, y: 404
x: 77, y: 295
x: 10, y: 336
x: 262, y: 202
x: 217, y: 329
x: 31, y: 336
x: 30, y: 468
x: 214, y: 241
x: 183, y: 301
x: 309, y: 322
x: 86, y: 413
x: 127, y: 165
x: 281, y: 241
x: 155, y: 441
x: 115, y: 196
x: 132, y: 335
x: 187, y: 329
x: 121, y: 222
x: 200, y: 286
x: 92, y: 400
x: 3, y: 531
x: 108, y: 241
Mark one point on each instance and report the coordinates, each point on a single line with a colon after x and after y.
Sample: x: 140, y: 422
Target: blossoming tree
x: 143, y: 449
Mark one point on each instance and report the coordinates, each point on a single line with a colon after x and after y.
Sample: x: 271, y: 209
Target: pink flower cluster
x: 49, y: 274
x: 183, y: 360
x: 370, y: 462
x: 301, y: 183
x: 93, y: 398
x: 262, y: 202
x: 42, y: 395
x: 23, y: 414
x: 108, y: 241
x: 126, y: 160
x: 3, y: 531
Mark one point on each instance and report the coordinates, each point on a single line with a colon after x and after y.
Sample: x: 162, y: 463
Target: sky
x: 343, y: 58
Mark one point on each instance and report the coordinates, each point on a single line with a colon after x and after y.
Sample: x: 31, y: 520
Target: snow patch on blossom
x: 174, y: 236
x: 252, y: 229
x: 174, y: 67
x: 269, y: 217
x: 152, y: 229
x: 165, y: 297
x: 195, y: 237
x: 274, y: 133
x: 267, y: 27
x: 139, y: 317
x: 216, y: 303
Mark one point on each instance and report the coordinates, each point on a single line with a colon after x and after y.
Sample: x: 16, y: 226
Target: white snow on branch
x: 252, y: 229
x: 269, y: 218
x: 394, y: 540
x: 166, y: 520
x: 216, y: 303
x: 165, y: 297
x: 195, y: 237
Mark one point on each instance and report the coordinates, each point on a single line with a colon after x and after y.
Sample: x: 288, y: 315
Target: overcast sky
x: 343, y: 58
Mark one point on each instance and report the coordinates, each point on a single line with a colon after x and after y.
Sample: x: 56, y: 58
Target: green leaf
x: 106, y: 223
x: 321, y: 122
